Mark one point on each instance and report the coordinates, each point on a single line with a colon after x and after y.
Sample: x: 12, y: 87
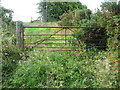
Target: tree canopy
x: 6, y: 15
x: 111, y: 7
x: 56, y: 9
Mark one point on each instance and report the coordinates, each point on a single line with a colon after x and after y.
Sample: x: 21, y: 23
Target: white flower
x: 61, y: 82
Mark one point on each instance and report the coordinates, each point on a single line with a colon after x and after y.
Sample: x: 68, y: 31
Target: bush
x: 113, y: 33
x: 10, y: 57
x: 92, y: 37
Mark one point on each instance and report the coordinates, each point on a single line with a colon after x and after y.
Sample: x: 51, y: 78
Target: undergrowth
x: 69, y: 69
x: 65, y: 70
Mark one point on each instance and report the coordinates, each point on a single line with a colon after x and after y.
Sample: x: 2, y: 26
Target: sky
x: 25, y: 9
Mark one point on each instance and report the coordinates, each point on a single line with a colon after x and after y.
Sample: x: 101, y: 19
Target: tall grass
x: 65, y: 70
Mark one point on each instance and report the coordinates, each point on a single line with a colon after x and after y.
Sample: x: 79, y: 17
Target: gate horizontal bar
x: 63, y: 35
x: 74, y: 39
x: 67, y: 47
x: 59, y: 50
x: 70, y: 41
x: 50, y: 34
x: 60, y: 39
x: 62, y: 27
x: 47, y: 43
x: 53, y: 47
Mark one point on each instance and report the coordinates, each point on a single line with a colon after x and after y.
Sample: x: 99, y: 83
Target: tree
x: 8, y: 25
x: 6, y: 15
x: 111, y: 7
x: 111, y: 11
x: 72, y: 18
x: 56, y: 9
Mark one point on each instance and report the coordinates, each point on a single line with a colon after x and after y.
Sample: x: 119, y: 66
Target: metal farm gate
x: 61, y: 39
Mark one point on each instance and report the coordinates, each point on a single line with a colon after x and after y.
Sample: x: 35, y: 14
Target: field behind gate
x: 50, y: 39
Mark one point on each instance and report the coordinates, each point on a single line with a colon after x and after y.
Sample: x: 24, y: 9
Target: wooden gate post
x: 19, y: 34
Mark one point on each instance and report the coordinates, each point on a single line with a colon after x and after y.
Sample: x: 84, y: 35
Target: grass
x: 65, y: 70
x: 61, y: 69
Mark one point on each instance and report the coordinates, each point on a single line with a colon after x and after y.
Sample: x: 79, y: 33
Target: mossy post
x: 19, y: 34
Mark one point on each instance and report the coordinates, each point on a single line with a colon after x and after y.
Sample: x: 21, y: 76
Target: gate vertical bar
x: 22, y: 36
x: 65, y: 37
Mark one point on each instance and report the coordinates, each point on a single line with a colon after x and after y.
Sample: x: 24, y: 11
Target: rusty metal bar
x: 62, y: 43
x: 59, y: 50
x: 50, y: 34
x: 23, y: 38
x: 95, y: 40
x: 47, y: 37
x: 70, y: 29
x: 47, y: 43
x: 53, y: 47
x: 60, y: 39
x: 95, y: 46
x: 62, y: 27
x: 64, y: 35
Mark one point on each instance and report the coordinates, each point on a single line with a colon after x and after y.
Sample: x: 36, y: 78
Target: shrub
x: 10, y: 56
x: 91, y: 36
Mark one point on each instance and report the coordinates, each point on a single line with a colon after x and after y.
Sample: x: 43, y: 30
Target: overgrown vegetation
x: 104, y: 19
x: 10, y: 53
x: 87, y: 68
x: 65, y: 70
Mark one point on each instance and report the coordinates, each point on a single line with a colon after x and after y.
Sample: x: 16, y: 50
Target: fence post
x: 19, y: 34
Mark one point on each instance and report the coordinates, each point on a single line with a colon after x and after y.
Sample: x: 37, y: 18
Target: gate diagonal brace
x: 40, y: 41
